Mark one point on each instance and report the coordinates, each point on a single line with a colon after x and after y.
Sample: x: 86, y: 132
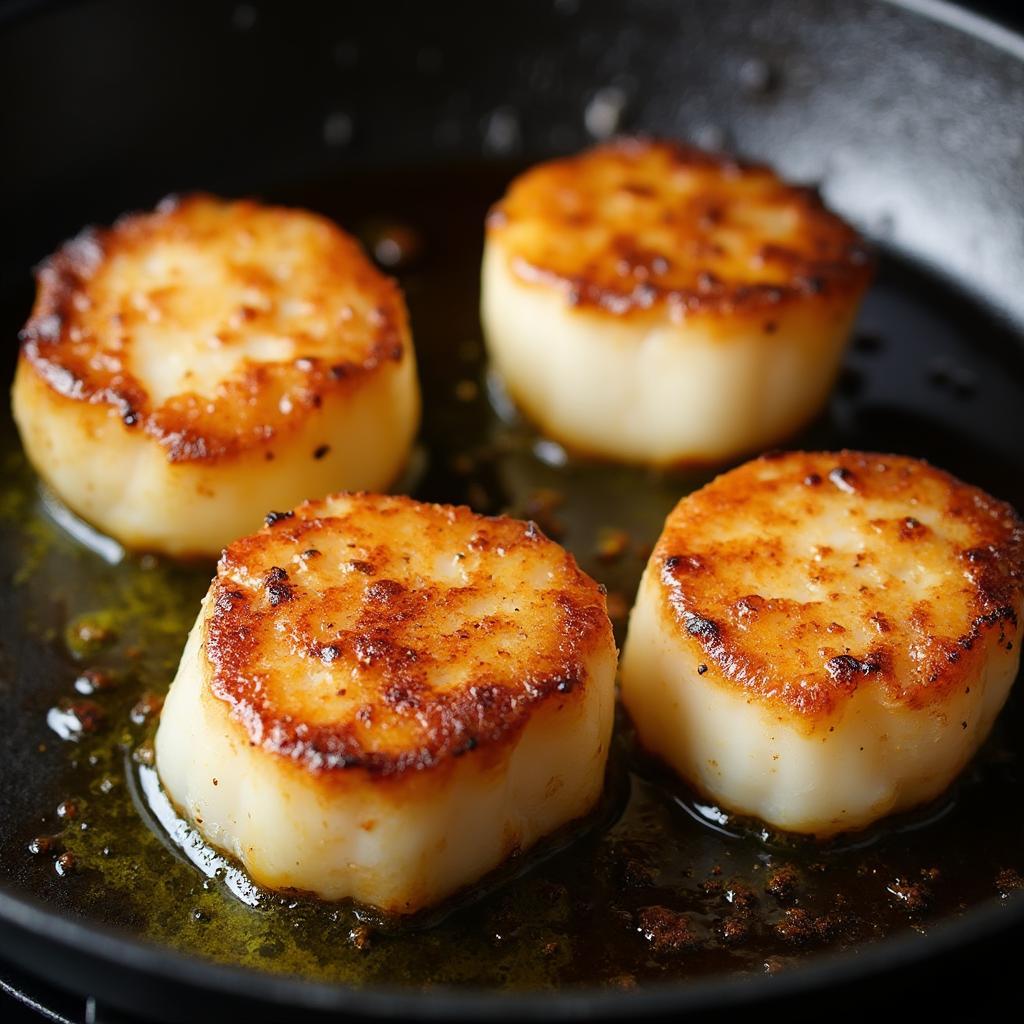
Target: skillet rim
x: 97, y: 944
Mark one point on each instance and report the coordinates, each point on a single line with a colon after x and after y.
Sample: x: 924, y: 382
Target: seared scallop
x: 189, y: 369
x: 652, y: 303
x: 383, y: 699
x: 823, y: 639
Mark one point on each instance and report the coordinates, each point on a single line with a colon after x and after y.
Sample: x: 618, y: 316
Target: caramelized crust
x: 212, y: 326
x: 381, y: 633
x: 636, y: 225
x: 799, y: 578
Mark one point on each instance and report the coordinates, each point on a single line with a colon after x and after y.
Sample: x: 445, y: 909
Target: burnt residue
x: 911, y: 528
x: 683, y: 564
x: 383, y: 591
x: 750, y: 606
x: 277, y: 586
x: 704, y: 629
x: 227, y: 598
x: 667, y: 931
x: 844, y: 668
x: 272, y: 518
x: 783, y: 883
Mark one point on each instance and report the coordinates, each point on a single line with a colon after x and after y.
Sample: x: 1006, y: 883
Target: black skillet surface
x: 913, y: 126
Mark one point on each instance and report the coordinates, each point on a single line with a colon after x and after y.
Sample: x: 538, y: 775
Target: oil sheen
x: 657, y: 886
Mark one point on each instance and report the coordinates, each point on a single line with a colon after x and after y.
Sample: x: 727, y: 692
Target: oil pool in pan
x: 658, y: 886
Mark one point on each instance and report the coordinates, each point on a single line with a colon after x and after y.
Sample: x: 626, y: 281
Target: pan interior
x: 930, y: 374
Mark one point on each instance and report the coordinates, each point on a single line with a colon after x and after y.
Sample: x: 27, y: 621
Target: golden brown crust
x: 637, y: 224
x: 303, y: 280
x: 801, y: 577
x: 384, y: 634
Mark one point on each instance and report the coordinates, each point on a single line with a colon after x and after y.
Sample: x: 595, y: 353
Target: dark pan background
x: 965, y: 980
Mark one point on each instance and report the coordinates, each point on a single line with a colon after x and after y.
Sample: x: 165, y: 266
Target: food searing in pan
x: 821, y: 639
x: 187, y: 369
x: 383, y: 699
x: 651, y: 303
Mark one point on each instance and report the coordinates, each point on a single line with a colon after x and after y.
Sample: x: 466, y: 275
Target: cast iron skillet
x: 909, y: 113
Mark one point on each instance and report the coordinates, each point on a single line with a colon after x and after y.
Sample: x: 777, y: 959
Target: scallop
x: 651, y: 303
x: 189, y: 369
x: 823, y: 639
x: 383, y: 700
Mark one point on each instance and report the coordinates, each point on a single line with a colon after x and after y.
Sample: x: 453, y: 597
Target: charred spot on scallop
x: 866, y: 635
x: 198, y: 343
x: 428, y: 667
x: 636, y: 223
x: 650, y: 302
